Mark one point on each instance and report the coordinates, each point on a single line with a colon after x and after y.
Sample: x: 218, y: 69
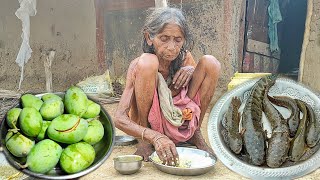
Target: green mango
x: 18, y: 144
x: 77, y: 157
x: 44, y: 156
x: 51, y: 109
x: 43, y: 131
x: 76, y: 101
x: 50, y: 96
x: 12, y: 117
x: 95, y: 132
x: 92, y: 111
x: 30, y: 121
x: 67, y: 128
x: 29, y: 100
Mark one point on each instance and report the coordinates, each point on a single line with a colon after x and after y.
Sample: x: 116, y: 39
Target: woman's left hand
x: 183, y: 77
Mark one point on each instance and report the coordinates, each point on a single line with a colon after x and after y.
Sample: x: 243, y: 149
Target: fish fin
x: 266, y: 134
x: 224, y: 133
x: 242, y: 131
x: 236, y: 101
x: 224, y: 120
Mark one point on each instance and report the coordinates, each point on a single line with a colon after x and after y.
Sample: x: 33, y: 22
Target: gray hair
x: 155, y: 23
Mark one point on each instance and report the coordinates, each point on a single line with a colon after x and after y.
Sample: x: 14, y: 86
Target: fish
x: 298, y: 145
x: 232, y: 120
x: 254, y: 137
x: 289, y: 103
x: 309, y: 152
x: 313, y: 128
x: 279, y: 142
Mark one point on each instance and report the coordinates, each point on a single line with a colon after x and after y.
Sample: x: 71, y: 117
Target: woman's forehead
x: 172, y: 29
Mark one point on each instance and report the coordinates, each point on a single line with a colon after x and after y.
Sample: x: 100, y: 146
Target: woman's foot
x: 144, y: 149
x: 198, y: 140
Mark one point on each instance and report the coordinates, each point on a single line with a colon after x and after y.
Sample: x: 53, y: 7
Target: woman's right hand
x: 166, y: 150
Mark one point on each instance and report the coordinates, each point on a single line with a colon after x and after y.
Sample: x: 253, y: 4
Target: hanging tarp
x: 27, y: 8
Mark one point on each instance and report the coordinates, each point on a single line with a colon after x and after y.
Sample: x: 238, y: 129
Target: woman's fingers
x: 169, y: 157
x: 175, y: 77
x: 189, y: 76
x: 175, y: 155
x: 166, y: 151
x: 162, y: 156
x: 182, y: 78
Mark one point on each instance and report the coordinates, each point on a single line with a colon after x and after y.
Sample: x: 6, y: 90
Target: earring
x: 152, y: 48
x: 182, y: 53
x: 183, y: 49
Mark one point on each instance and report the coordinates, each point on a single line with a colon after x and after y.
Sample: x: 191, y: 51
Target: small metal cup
x: 127, y: 164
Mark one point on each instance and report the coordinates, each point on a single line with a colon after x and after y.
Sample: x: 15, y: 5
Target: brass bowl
x: 103, y: 148
x: 127, y: 164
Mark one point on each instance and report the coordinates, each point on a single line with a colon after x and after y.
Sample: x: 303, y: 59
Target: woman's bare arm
x: 122, y: 120
x: 189, y: 60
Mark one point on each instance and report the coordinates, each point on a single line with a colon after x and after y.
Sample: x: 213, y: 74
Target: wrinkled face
x: 167, y: 44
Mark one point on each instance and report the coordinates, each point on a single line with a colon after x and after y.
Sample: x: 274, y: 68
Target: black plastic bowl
x: 103, y: 149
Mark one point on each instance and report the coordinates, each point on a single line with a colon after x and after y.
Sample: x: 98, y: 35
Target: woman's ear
x: 148, y: 39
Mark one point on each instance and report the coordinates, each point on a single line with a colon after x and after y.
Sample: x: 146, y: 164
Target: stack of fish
x: 290, y: 137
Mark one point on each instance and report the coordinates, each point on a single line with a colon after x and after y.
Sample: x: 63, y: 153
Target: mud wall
x: 310, y: 62
x: 214, y: 24
x: 68, y: 27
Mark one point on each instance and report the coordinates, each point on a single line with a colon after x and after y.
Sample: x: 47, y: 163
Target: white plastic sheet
x: 27, y: 9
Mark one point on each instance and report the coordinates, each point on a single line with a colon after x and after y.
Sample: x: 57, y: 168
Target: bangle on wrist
x: 142, y: 134
x: 159, y: 137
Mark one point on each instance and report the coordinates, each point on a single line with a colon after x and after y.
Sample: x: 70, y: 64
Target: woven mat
x: 8, y: 99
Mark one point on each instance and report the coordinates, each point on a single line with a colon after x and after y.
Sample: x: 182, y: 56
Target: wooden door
x: 257, y: 55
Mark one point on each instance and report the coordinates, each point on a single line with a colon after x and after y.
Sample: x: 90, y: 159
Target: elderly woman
x: 167, y: 93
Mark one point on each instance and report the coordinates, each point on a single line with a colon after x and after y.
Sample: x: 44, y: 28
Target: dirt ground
x: 148, y: 171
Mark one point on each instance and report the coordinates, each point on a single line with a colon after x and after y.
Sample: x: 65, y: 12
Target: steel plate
x: 283, y: 86
x: 125, y: 140
x: 197, y: 167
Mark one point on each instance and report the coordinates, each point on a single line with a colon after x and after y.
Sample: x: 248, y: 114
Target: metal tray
x: 195, y: 169
x: 283, y: 86
x: 125, y: 140
x: 103, y: 148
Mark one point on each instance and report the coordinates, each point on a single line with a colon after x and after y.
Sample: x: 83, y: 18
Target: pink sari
x: 177, y: 134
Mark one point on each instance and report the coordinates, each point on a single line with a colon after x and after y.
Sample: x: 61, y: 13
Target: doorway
x: 257, y: 55
x: 293, y: 27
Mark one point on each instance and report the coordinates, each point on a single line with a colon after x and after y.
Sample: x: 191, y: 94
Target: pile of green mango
x: 52, y: 130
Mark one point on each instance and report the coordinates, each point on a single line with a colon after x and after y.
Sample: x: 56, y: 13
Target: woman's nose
x: 171, y: 45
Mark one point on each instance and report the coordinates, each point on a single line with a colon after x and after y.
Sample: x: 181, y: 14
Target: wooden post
x: 47, y: 67
x: 160, y: 3
x: 100, y: 37
x: 305, y: 40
